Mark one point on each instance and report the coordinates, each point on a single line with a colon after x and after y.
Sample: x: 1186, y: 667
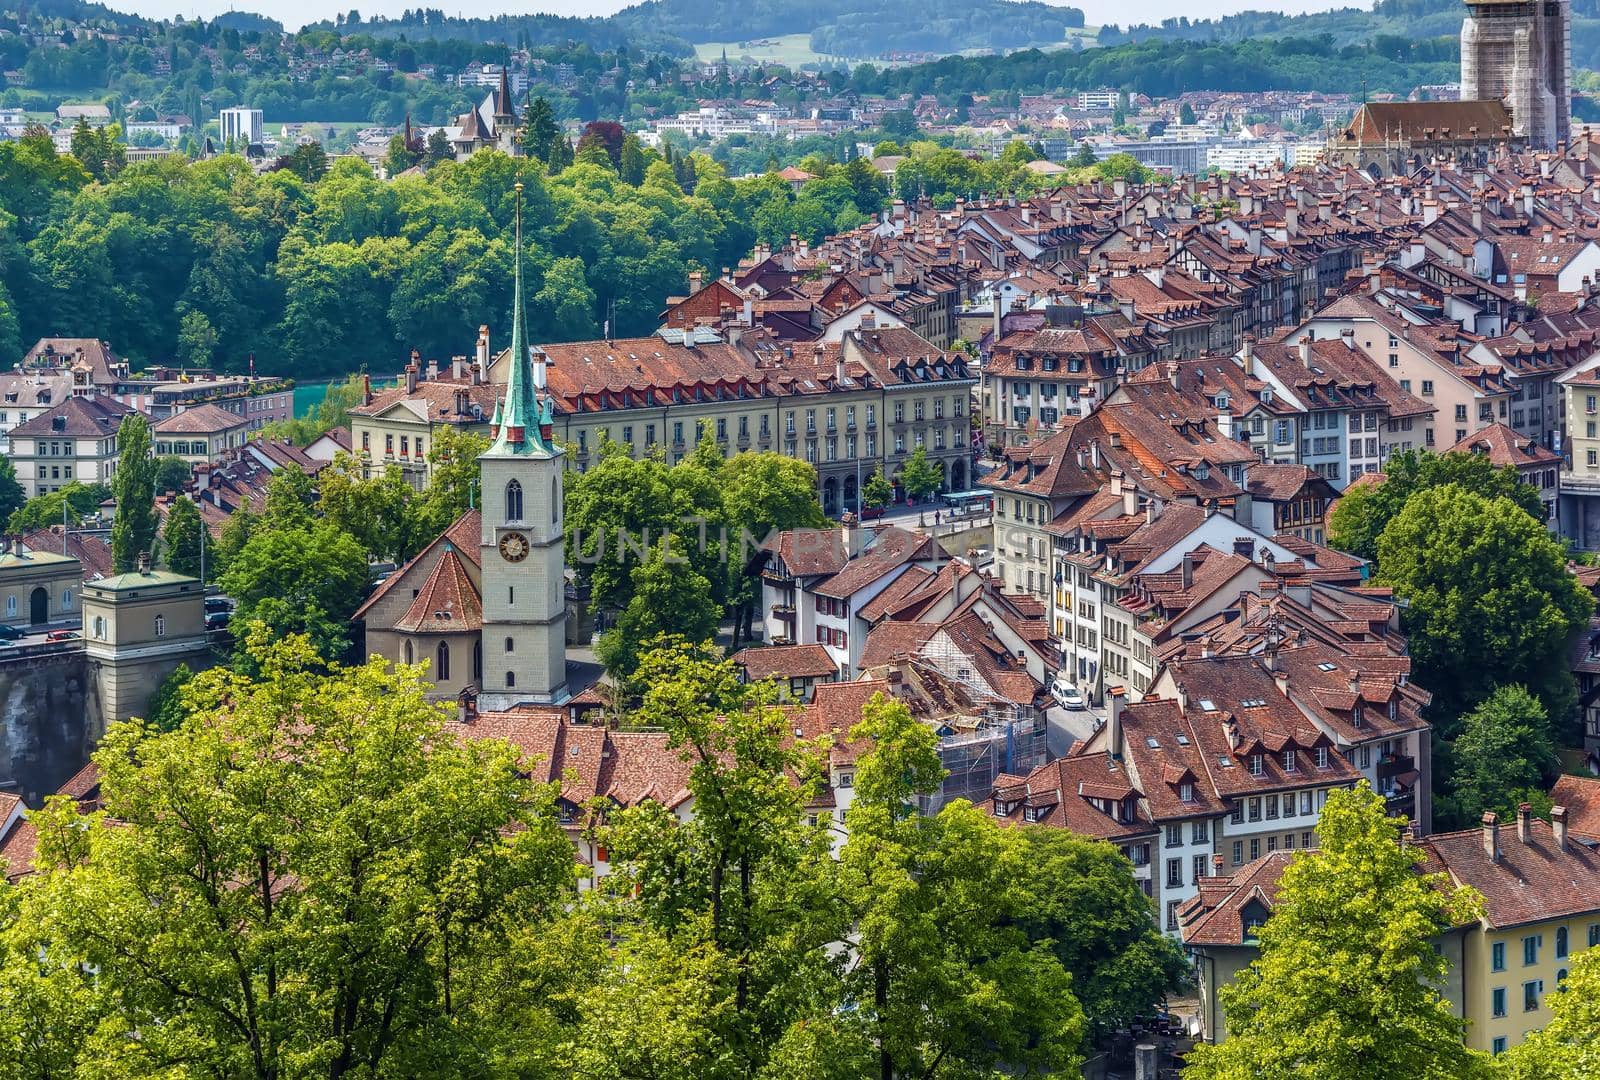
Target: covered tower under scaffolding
x: 1521, y: 53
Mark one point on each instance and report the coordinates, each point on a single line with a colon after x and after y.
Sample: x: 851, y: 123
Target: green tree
x: 167, y: 708
x: 197, y: 340
x: 877, y: 491
x: 1085, y: 158
x: 12, y: 497
x: 1361, y: 515
x: 620, y: 504
x: 379, y: 511
x: 172, y: 473
x: 1489, y: 599
x: 1566, y: 1047
x: 338, y: 879
x: 69, y: 504
x: 1098, y: 923
x: 669, y: 597
x: 308, y: 161
x: 725, y: 916
x: 631, y: 162
x: 563, y: 308
x: 231, y: 539
x: 540, y: 130
x: 1502, y: 755
x: 182, y: 537
x: 133, y: 530
x: 297, y: 578
x: 1186, y: 114
x: 453, y: 480
x: 400, y: 157
x: 945, y: 987
x: 919, y: 476
x: 1347, y: 983
x: 439, y: 149
x: 762, y: 493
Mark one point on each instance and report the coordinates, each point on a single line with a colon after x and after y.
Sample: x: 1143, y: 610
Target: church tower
x: 523, y: 551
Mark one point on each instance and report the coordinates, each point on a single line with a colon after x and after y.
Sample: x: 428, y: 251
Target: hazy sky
x: 294, y: 13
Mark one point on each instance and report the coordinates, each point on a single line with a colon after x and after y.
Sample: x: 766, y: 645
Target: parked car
x: 62, y: 635
x: 11, y: 633
x: 1067, y: 695
x: 871, y: 513
x: 218, y: 603
x: 218, y: 620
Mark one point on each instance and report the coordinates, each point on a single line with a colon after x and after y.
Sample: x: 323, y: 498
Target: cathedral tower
x: 1521, y: 53
x: 523, y: 551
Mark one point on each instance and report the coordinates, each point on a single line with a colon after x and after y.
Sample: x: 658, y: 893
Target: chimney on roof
x: 458, y: 365
x: 467, y: 706
x: 1173, y: 374
x: 1247, y: 351
x: 411, y: 376
x: 1115, y: 698
x: 1188, y: 570
x: 1491, y: 836
x: 1348, y: 336
x: 1558, y: 826
x: 483, y: 348
x: 1524, y: 818
x: 696, y: 282
x: 1216, y: 866
x: 366, y: 388
x: 144, y: 563
x: 433, y: 370
x: 1305, y: 352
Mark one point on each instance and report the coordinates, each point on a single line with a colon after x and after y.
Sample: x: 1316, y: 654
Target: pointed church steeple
x: 519, y: 419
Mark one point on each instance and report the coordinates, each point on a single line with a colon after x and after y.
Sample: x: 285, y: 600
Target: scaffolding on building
x: 982, y: 736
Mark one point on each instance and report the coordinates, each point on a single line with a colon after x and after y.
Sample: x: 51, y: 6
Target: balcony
x: 1393, y: 765
x: 783, y: 611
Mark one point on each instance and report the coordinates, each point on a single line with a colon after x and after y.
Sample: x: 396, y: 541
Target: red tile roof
x: 448, y: 601
x: 1533, y: 880
x: 786, y: 662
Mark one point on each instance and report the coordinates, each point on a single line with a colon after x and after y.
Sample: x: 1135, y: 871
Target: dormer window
x: 1258, y: 764
x: 1030, y: 813
x: 1355, y: 715
x: 1186, y: 791
x: 1394, y: 709
x: 1322, y: 757
x: 1288, y: 761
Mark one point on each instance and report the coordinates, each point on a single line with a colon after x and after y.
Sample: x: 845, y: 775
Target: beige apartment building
x: 1426, y: 360
x: 848, y: 407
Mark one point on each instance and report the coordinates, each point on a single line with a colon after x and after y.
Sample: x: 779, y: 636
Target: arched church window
x: 443, y: 662
x: 514, y: 501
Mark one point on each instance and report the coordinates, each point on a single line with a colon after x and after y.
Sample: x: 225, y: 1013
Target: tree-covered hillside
x: 1166, y: 68
x: 861, y: 27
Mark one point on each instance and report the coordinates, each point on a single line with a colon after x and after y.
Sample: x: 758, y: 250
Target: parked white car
x: 1067, y: 695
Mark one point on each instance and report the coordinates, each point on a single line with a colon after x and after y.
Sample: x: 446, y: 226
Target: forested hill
x: 1387, y: 20
x: 847, y: 28
x: 1167, y: 68
x: 521, y: 31
x: 857, y: 27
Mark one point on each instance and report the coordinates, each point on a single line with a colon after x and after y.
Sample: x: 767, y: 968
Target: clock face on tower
x: 513, y: 547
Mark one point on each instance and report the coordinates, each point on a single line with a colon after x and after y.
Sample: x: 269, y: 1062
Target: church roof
x: 447, y: 603
x: 1379, y: 122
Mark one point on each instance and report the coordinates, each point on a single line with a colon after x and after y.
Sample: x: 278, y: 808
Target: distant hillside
x: 1403, y: 21
x: 862, y: 27
x: 522, y: 31
x: 845, y: 28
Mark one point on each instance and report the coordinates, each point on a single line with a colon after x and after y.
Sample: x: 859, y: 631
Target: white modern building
x: 243, y: 126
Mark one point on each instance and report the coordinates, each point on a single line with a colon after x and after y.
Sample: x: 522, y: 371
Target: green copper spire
x: 520, y: 417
